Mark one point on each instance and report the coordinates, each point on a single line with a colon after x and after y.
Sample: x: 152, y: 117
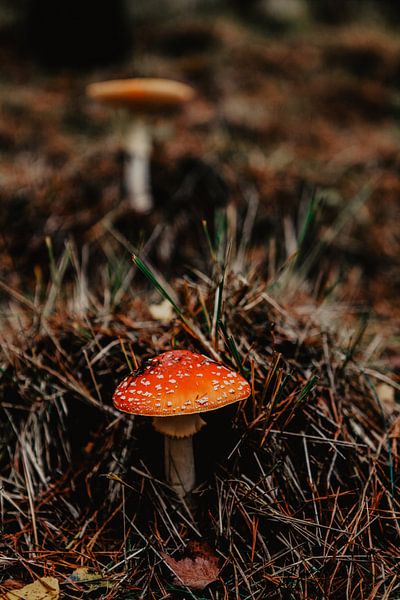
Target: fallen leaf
x: 12, y: 584
x: 45, y: 588
x: 90, y: 579
x: 162, y: 312
x: 83, y: 575
x: 387, y: 396
x: 197, y: 570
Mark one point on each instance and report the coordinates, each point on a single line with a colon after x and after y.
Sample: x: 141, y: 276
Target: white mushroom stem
x: 178, y: 450
x: 137, y: 167
x: 179, y: 464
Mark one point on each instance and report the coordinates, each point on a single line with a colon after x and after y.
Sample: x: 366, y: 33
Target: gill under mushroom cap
x: 144, y: 93
x: 179, y: 382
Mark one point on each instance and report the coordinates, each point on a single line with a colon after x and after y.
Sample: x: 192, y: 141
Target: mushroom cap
x: 179, y: 382
x: 142, y: 93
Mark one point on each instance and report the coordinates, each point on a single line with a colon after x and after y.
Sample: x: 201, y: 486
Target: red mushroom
x: 175, y: 388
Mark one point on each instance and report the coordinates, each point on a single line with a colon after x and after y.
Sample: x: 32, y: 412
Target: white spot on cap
x: 202, y: 400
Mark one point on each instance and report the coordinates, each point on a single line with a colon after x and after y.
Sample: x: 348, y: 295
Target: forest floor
x: 275, y: 232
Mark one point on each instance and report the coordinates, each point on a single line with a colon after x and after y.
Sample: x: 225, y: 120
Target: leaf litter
x: 197, y: 569
x: 45, y: 588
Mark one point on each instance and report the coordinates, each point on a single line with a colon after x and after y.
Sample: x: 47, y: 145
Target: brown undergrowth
x: 297, y: 487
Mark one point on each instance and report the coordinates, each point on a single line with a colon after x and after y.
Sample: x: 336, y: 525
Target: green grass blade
x: 153, y: 280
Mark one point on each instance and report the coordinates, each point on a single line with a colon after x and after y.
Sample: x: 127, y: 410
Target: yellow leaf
x: 45, y: 588
x: 90, y: 579
x: 386, y: 396
x: 83, y: 574
x: 162, y: 312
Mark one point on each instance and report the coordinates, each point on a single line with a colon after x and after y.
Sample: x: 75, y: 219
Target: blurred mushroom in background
x: 140, y: 100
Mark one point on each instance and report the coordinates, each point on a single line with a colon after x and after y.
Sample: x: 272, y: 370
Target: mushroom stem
x: 178, y: 434
x: 137, y: 167
x: 179, y: 464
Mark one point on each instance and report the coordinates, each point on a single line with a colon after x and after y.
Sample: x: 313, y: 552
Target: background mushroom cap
x: 144, y: 93
x: 179, y: 382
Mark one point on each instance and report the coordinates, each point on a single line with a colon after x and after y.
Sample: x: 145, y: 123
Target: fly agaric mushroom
x: 175, y: 388
x: 141, y: 99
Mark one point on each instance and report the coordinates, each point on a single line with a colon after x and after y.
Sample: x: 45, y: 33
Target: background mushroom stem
x: 137, y: 167
x: 179, y: 464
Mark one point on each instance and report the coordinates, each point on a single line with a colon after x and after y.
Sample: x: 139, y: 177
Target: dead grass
x: 297, y: 495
